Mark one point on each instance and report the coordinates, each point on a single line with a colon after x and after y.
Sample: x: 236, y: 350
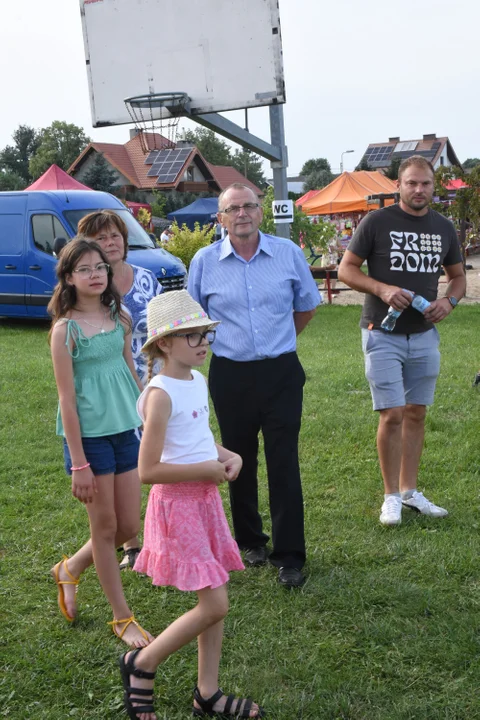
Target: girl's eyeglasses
x: 87, y: 272
x: 195, y: 339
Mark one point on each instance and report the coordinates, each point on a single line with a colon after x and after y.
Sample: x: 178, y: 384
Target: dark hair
x: 64, y: 296
x: 94, y: 223
x: 417, y: 160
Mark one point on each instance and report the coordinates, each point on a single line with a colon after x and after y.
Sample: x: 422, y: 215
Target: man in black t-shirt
x: 405, y: 246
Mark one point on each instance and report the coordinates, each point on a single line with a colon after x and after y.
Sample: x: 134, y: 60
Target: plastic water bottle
x: 389, y: 321
x: 420, y: 303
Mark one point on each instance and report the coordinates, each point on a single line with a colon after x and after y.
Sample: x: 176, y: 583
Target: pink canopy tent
x: 455, y: 184
x: 56, y: 179
x: 308, y: 195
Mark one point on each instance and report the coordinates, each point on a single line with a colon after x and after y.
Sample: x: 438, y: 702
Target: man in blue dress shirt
x: 262, y: 290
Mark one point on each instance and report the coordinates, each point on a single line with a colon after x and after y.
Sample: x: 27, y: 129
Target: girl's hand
x: 215, y: 471
x: 232, y: 467
x: 84, y: 485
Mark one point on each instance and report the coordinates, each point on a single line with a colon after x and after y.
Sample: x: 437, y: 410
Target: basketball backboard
x: 225, y: 54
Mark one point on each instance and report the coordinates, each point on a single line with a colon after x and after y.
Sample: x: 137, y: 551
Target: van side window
x: 45, y: 228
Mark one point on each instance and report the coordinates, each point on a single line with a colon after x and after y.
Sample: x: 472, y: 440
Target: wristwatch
x: 452, y: 300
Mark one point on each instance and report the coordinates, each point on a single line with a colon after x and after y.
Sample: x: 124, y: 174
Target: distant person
x: 98, y: 388
x: 262, y: 290
x: 188, y: 544
x: 405, y: 246
x: 218, y: 231
x: 137, y: 286
x: 166, y: 235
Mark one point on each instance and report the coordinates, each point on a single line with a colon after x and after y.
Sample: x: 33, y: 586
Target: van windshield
x: 137, y: 237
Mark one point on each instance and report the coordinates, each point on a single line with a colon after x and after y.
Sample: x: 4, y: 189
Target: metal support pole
x: 279, y: 167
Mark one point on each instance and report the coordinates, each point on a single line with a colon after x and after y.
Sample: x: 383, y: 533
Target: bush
x: 184, y: 242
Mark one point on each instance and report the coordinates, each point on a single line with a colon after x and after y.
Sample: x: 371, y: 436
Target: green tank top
x: 106, y: 392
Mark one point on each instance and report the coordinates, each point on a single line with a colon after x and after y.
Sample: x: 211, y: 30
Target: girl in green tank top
x: 97, y: 388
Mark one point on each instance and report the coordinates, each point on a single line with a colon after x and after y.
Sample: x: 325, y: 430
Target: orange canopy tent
x: 347, y: 193
x: 56, y: 179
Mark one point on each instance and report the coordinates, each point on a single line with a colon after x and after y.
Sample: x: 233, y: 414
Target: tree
x: 144, y: 218
x: 317, y: 179
x: 364, y: 165
x: 60, y: 143
x: 317, y: 173
x: 216, y: 151
x: 392, y: 171
x: 159, y: 204
x: 101, y: 176
x: 11, y: 181
x: 471, y: 163
x: 315, y: 165
x: 319, y: 234
x: 15, y: 158
x: 465, y: 206
x: 253, y: 163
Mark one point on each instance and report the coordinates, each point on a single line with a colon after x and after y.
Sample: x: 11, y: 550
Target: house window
x: 442, y: 160
x: 190, y: 176
x: 45, y: 228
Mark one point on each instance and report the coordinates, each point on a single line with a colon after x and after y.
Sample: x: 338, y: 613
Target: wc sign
x: 282, y: 211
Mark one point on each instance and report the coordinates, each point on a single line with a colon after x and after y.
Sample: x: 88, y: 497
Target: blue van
x: 30, y: 221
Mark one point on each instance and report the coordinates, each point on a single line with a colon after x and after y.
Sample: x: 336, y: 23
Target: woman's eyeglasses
x: 86, y: 272
x: 195, y: 339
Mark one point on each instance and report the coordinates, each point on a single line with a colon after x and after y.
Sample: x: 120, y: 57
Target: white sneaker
x: 419, y: 502
x: 391, y: 511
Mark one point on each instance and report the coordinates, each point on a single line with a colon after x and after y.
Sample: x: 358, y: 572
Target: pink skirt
x: 187, y: 542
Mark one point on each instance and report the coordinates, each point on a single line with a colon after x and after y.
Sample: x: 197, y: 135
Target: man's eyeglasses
x: 235, y: 209
x: 87, y: 272
x: 195, y: 339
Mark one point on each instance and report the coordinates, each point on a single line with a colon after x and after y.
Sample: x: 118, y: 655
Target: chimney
x: 431, y: 136
x: 395, y: 139
x: 133, y: 133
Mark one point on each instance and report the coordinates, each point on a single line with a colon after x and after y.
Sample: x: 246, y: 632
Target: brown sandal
x: 126, y: 622
x: 61, y: 595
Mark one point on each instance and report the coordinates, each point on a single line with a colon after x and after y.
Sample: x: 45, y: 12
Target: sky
x: 355, y: 72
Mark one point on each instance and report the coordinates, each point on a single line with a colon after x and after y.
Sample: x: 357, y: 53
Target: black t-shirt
x: 407, y: 251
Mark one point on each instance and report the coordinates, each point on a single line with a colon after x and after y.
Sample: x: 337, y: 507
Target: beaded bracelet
x: 82, y: 467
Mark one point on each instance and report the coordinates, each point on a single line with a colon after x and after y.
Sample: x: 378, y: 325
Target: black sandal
x: 129, y: 559
x: 206, y: 706
x: 131, y: 694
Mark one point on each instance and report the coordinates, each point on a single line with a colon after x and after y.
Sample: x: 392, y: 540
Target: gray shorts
x: 401, y: 369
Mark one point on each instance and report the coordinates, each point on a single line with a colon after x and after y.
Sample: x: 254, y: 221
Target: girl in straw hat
x: 98, y: 389
x: 187, y: 541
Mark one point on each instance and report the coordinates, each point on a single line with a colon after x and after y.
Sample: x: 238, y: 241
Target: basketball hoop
x: 156, y: 118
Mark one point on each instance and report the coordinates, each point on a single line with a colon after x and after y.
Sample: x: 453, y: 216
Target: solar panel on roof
x: 151, y: 157
x: 167, y: 163
x: 170, y: 178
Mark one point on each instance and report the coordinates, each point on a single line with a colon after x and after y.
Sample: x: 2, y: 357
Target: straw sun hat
x: 172, y: 311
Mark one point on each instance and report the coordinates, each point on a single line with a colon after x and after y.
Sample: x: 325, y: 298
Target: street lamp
x: 341, y: 159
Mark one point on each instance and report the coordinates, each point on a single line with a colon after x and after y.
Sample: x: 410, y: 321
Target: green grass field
x: 387, y: 626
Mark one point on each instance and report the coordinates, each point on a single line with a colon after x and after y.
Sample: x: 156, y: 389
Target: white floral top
x: 145, y: 286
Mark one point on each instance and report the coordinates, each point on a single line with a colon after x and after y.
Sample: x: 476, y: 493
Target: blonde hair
x: 153, y: 353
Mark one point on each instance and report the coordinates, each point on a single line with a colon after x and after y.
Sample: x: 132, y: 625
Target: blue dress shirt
x: 254, y: 300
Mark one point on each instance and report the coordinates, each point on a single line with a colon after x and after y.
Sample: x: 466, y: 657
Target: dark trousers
x: 264, y: 395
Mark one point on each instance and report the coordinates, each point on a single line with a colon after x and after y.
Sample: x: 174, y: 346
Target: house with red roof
x: 439, y: 150
x: 178, y: 166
